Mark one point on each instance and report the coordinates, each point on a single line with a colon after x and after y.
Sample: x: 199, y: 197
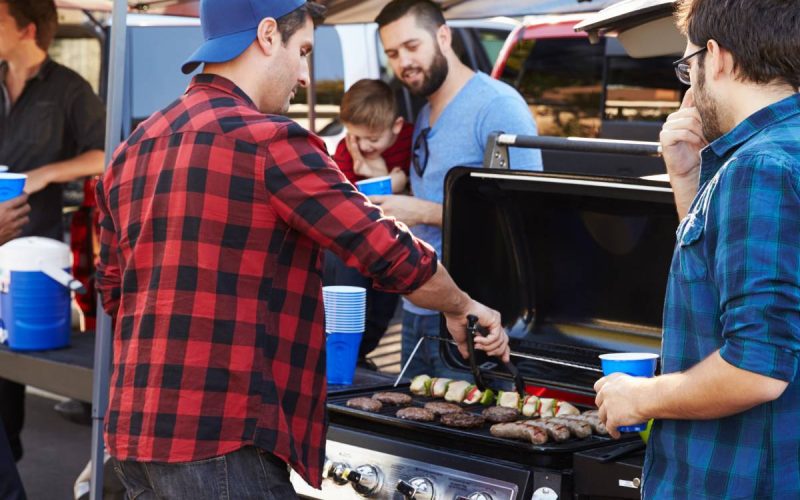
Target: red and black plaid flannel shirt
x: 213, y: 216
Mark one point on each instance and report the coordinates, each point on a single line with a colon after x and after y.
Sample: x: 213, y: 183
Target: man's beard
x: 433, y: 77
x: 708, y: 108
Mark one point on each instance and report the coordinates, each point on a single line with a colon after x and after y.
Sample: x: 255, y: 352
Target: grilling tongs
x: 473, y: 329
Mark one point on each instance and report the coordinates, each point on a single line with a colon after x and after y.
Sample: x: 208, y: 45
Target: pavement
x: 55, y: 450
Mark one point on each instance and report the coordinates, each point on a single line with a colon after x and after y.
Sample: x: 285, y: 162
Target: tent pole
x: 102, y: 343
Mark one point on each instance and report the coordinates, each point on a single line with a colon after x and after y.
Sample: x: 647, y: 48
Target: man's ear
x: 719, y: 61
x: 268, y: 35
x: 397, y: 126
x: 444, y: 37
x: 29, y: 32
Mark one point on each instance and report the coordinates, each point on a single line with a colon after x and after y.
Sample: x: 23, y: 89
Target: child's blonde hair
x: 369, y: 103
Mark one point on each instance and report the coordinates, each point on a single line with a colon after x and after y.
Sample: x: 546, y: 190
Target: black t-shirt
x: 57, y: 117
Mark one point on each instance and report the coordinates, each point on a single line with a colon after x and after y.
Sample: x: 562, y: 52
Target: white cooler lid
x: 26, y: 254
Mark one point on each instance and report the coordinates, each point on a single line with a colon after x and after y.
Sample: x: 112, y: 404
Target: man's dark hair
x: 289, y: 24
x: 41, y: 13
x: 761, y: 35
x: 428, y: 14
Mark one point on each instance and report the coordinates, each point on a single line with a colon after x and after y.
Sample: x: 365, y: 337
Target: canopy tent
x: 360, y: 11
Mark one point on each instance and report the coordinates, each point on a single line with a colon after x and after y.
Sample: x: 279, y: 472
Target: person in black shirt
x: 52, y: 128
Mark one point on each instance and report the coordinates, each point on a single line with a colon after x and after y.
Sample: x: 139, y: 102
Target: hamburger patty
x: 462, y: 420
x: 416, y: 414
x: 500, y: 414
x: 365, y: 404
x: 440, y: 408
x: 392, y: 398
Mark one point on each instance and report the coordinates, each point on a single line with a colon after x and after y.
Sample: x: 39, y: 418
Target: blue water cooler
x: 35, y: 294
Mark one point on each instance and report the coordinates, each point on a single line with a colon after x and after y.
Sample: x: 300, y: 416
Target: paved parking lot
x: 56, y: 450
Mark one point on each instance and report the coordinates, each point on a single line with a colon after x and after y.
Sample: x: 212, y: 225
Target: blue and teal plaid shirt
x: 734, y: 286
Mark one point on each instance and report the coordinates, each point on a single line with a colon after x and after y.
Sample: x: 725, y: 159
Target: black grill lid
x: 576, y: 265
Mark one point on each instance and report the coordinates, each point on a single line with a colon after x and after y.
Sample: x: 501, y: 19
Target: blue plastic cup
x: 11, y: 185
x: 342, y: 353
x: 376, y: 185
x: 636, y: 364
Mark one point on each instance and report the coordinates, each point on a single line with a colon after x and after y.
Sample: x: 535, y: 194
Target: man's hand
x: 399, y: 180
x: 364, y: 167
x: 681, y: 141
x: 38, y: 179
x: 408, y: 209
x: 682, y: 138
x: 620, y: 400
x: 494, y: 344
x: 13, y: 216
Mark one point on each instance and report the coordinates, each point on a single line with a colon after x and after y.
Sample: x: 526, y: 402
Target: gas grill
x: 577, y: 266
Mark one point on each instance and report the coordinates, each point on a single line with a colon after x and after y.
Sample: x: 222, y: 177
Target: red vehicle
x: 576, y: 88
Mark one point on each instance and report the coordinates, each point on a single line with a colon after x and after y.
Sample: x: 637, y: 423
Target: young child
x: 378, y: 142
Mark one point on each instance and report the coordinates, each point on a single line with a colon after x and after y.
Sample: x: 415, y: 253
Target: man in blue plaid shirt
x: 727, y: 406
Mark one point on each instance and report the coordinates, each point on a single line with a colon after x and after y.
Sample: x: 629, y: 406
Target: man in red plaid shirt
x: 214, y: 214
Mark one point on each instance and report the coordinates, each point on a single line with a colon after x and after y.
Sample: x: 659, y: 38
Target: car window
x: 329, y: 78
x: 492, y: 41
x: 640, y: 89
x: 561, y: 80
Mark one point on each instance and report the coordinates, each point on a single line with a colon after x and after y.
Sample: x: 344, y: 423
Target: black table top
x: 80, y: 351
x: 68, y: 371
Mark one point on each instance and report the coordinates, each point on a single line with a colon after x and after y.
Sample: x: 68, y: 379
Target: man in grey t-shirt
x: 463, y: 108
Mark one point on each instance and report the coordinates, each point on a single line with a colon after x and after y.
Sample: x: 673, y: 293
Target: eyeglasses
x: 420, y: 153
x: 682, y: 67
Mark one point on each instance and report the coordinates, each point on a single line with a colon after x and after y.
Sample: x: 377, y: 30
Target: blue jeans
x: 428, y: 359
x: 247, y: 473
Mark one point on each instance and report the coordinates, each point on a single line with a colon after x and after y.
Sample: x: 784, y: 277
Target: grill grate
x: 478, y: 436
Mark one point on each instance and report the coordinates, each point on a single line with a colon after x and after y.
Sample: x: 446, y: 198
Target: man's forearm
x: 684, y: 189
x: 440, y: 293
x: 84, y: 165
x: 433, y: 213
x: 711, y: 389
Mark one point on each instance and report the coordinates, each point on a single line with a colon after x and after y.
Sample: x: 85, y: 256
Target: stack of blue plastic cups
x: 345, y: 316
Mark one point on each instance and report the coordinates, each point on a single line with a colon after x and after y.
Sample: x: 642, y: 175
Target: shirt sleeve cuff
x: 760, y: 357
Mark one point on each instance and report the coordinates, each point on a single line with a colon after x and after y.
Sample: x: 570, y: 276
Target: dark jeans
x: 428, y: 359
x: 248, y: 473
x: 380, y: 305
x: 10, y: 483
x: 12, y: 413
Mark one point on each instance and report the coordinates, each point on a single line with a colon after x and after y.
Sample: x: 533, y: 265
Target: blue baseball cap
x: 230, y: 26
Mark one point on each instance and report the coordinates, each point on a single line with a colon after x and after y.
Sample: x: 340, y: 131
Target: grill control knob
x: 335, y: 471
x: 366, y: 480
x: 418, y: 488
x: 481, y: 495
